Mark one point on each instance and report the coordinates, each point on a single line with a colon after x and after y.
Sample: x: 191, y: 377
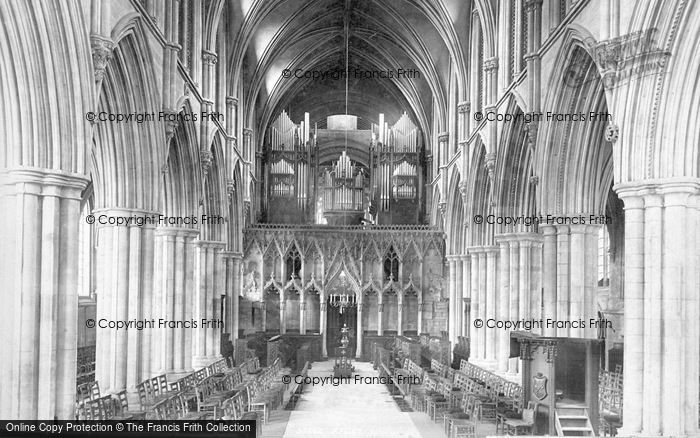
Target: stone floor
x: 352, y: 410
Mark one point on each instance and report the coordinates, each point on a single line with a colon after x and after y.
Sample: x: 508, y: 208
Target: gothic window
x: 293, y: 263
x: 391, y: 265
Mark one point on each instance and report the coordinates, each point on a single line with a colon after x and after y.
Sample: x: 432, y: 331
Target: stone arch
x: 651, y: 145
x: 42, y: 129
x: 125, y: 157
x: 235, y: 215
x: 181, y: 175
x: 514, y: 187
x: 479, y: 185
x: 574, y: 159
x: 454, y: 223
x: 214, y: 195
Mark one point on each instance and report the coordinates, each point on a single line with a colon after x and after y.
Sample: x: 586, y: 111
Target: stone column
x: 172, y: 299
x: 399, y: 313
x: 323, y: 325
x: 380, y: 309
x: 465, y: 296
x: 563, y: 277
x: 232, y: 266
x: 504, y: 303
x: 283, y: 318
x: 474, y: 345
x: 534, y: 29
x: 302, y: 313
x: 515, y: 267
x: 38, y: 318
x: 482, y: 304
x: 206, y: 313
x: 121, y: 251
x: 583, y: 267
x: 452, y: 288
x: 358, y: 350
x: 421, y: 307
x: 491, y: 302
x: 661, y: 307
x: 549, y: 274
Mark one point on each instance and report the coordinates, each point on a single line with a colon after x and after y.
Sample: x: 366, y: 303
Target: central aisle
x: 354, y: 410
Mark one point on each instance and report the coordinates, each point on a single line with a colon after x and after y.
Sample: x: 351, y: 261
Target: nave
x: 349, y: 410
x: 262, y: 168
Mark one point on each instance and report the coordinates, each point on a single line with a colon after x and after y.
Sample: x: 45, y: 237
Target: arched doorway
x: 339, y: 316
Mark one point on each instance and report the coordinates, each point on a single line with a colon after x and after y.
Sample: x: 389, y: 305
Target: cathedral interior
x: 352, y: 218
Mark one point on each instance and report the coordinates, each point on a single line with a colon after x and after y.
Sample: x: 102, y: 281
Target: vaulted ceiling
x: 301, y: 36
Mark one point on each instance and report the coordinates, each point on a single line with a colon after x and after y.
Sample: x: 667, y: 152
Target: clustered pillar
x: 39, y: 318
x: 570, y: 277
x: 662, y: 307
x: 172, y: 299
x: 207, y: 301
x: 501, y: 283
x: 125, y: 262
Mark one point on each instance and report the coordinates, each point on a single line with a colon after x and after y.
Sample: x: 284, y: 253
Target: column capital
x: 102, y: 49
x: 463, y: 107
x: 581, y: 229
x: 247, y: 132
x: 230, y: 100
x: 44, y: 182
x: 548, y: 229
x: 627, y: 191
x: 213, y: 244
x: 209, y: 58
x: 177, y: 231
x: 491, y: 249
x: 490, y: 64
x: 443, y: 137
x: 531, y: 5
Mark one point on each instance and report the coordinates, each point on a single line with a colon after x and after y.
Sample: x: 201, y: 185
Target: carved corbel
x: 491, y: 165
x: 230, y: 187
x: 102, y: 49
x: 205, y: 159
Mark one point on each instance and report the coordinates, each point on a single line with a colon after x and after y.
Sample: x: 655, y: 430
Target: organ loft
x: 425, y: 218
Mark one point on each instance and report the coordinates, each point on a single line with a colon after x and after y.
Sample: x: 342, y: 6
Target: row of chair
x: 108, y: 407
x: 505, y: 391
x: 298, y: 385
x: 153, y: 390
x: 610, y: 388
x: 460, y: 398
x: 186, y: 397
x: 266, y: 392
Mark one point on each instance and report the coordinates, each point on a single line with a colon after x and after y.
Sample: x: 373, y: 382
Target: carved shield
x: 539, y: 386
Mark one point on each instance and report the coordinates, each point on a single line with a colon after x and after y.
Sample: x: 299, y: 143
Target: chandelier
x: 342, y: 301
x: 342, y: 297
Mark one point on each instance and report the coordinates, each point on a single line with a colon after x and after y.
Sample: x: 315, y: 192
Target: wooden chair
x: 257, y: 404
x: 122, y: 404
x: 437, y: 402
x: 524, y: 425
x: 466, y: 429
x: 464, y: 412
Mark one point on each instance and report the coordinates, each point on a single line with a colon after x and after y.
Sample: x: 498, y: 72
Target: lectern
x: 343, y: 364
x: 561, y: 374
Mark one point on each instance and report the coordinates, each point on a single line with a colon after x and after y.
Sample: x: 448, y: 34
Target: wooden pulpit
x: 561, y: 375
